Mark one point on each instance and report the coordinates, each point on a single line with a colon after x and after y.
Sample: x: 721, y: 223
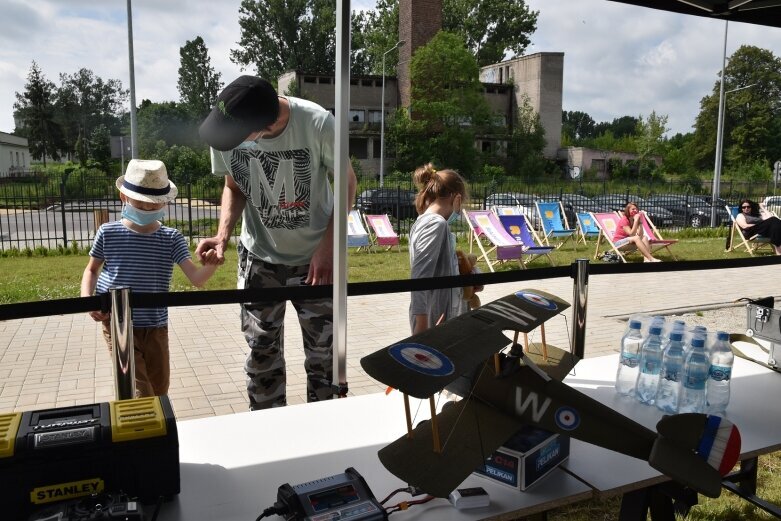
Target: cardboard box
x: 525, y: 458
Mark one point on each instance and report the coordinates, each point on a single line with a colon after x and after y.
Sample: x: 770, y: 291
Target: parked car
x: 773, y: 204
x: 617, y: 202
x: 689, y: 210
x: 397, y: 202
x: 524, y: 201
x: 576, y: 203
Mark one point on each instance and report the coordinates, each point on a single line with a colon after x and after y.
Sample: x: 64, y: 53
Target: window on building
x: 375, y: 116
x: 17, y: 159
x: 376, y: 146
x: 598, y: 164
x: 357, y: 116
x: 24, y: 160
x: 367, y: 83
x: 11, y: 159
x: 359, y: 148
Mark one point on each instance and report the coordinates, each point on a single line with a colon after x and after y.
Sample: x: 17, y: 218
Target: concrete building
x: 539, y: 77
x: 14, y: 155
x: 579, y: 160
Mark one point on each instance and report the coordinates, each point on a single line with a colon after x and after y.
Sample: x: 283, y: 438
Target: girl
x: 432, y: 248
x: 630, y: 230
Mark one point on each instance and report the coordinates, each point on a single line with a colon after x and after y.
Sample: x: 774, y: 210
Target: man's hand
x: 99, y: 316
x: 321, y: 267
x: 211, y: 251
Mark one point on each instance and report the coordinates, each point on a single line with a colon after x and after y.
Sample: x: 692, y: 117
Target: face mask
x: 453, y: 219
x: 142, y: 217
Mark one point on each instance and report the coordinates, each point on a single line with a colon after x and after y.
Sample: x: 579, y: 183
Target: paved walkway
x: 62, y: 360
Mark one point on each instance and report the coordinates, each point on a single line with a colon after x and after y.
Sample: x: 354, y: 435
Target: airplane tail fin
x: 714, y: 440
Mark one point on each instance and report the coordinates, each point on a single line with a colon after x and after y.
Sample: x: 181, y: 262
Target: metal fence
x: 51, y: 213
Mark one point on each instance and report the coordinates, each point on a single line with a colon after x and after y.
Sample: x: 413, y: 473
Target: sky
x: 618, y: 59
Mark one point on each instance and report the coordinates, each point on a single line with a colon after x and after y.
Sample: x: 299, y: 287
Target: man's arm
x: 321, y: 267
x: 212, y: 250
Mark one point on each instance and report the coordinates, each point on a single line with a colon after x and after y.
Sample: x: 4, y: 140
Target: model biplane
x: 501, y: 392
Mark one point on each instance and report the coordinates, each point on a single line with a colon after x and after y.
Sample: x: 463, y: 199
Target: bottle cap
x: 634, y: 324
x: 676, y: 336
x: 722, y: 335
x: 698, y: 341
x: 655, y: 330
x: 700, y: 328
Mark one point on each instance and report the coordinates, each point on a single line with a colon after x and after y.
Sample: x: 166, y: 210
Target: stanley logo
x: 70, y: 490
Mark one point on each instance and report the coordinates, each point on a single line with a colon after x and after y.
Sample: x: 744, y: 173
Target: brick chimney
x: 419, y: 21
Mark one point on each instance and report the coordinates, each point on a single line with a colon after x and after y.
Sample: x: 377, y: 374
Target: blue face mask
x: 142, y: 217
x: 454, y: 218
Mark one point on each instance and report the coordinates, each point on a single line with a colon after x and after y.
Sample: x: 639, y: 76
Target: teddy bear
x: 467, y: 263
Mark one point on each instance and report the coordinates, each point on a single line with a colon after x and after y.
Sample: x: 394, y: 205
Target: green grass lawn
x: 37, y: 277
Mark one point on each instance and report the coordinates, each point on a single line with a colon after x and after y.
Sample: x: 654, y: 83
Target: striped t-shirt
x: 142, y: 261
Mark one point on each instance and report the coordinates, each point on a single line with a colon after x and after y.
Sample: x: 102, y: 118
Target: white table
x: 753, y: 408
x: 231, y: 466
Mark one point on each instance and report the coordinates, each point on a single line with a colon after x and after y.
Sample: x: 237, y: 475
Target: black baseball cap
x: 246, y: 105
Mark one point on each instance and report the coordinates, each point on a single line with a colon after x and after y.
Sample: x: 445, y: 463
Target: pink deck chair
x: 382, y: 231
x: 487, y: 223
x: 608, y: 224
x: 654, y: 238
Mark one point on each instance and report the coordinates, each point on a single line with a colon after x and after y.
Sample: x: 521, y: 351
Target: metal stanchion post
x: 122, y: 344
x: 579, y: 302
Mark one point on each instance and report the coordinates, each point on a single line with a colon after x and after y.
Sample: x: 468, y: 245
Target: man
x: 276, y: 153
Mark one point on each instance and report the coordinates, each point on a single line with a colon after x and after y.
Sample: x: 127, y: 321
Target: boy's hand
x: 99, y: 316
x: 211, y: 251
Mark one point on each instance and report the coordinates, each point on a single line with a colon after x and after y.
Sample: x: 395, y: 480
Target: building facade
x: 14, y: 155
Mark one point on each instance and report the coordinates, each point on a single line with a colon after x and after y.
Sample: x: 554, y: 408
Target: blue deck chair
x: 518, y: 228
x: 752, y: 244
x: 554, y: 223
x: 587, y: 228
x: 357, y: 237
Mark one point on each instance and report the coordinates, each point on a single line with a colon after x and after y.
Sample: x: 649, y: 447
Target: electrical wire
x: 404, y: 505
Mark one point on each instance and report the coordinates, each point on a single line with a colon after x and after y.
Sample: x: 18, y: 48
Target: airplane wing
x: 423, y: 364
x: 469, y: 432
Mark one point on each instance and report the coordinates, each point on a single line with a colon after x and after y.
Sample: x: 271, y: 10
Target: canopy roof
x: 762, y: 12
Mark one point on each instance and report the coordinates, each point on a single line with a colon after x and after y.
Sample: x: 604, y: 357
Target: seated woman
x: 630, y: 230
x: 754, y: 219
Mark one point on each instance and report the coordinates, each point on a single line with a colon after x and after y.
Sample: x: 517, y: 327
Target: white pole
x: 133, y: 122
x: 719, y: 134
x: 382, y: 115
x: 342, y: 109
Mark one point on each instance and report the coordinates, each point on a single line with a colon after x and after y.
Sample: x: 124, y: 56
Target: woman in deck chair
x: 630, y: 229
x: 755, y: 220
x: 432, y: 248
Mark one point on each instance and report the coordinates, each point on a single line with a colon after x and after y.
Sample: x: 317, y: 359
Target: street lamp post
x: 382, y: 114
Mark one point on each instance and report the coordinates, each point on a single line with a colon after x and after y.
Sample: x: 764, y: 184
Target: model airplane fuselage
x: 502, y: 393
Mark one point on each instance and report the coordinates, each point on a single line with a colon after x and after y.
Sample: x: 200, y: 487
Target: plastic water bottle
x: 677, y: 326
x: 650, y: 366
x: 721, y: 360
x: 628, y: 362
x: 695, y: 377
x: 696, y: 331
x: 672, y: 371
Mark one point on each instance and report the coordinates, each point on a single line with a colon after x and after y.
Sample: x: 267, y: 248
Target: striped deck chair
x: 382, y: 231
x: 587, y: 227
x: 608, y: 224
x: 752, y: 244
x: 356, y: 233
x: 554, y: 223
x: 518, y: 227
x: 505, y: 246
x: 654, y: 237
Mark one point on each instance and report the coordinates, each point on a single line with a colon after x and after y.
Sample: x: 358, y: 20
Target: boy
x: 139, y: 252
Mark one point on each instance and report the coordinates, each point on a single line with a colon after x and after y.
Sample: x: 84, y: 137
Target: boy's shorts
x: 151, y: 357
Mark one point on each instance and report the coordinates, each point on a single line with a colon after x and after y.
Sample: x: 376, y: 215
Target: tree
x: 278, y: 35
x: 650, y: 137
x: 34, y: 109
x: 576, y: 125
x: 374, y: 32
x: 752, y: 116
x: 490, y: 28
x: 447, y: 105
x: 85, y: 101
x: 526, y: 142
x: 100, y: 146
x: 198, y: 83
x: 169, y: 122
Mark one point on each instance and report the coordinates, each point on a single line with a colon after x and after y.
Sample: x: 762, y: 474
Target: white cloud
x: 619, y: 59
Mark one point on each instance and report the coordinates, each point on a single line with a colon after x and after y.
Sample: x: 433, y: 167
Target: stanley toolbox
x: 128, y: 446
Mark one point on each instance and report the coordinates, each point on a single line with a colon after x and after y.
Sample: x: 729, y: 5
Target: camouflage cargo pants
x: 262, y: 325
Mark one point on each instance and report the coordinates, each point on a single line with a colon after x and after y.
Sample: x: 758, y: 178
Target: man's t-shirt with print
x: 142, y: 261
x: 285, y: 181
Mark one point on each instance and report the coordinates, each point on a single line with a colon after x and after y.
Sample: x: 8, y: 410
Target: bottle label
x: 720, y: 373
x: 629, y: 360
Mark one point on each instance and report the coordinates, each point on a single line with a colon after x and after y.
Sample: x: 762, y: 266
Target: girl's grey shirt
x: 432, y: 253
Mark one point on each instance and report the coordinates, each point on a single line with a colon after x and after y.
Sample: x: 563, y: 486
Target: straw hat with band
x: 147, y: 180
